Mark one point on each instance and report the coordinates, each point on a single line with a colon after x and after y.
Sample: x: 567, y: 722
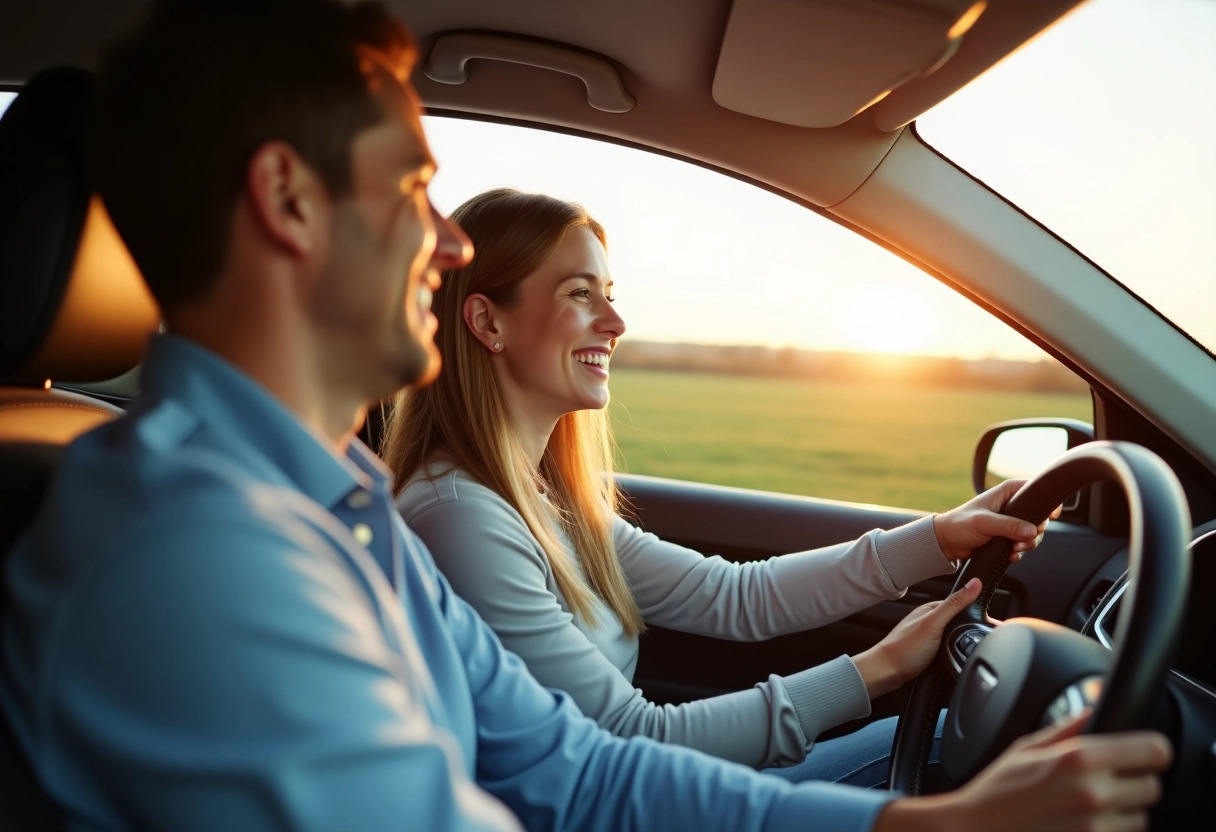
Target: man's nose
x: 453, y: 248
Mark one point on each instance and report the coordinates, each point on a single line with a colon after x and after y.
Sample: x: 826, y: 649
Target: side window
x: 768, y: 347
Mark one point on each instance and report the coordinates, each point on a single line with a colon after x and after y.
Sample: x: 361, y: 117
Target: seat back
x: 73, y: 308
x: 24, y: 805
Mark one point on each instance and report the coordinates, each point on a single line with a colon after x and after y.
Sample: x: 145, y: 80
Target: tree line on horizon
x: 1042, y: 376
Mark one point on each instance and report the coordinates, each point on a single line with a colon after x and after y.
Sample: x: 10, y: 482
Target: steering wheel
x: 1010, y: 679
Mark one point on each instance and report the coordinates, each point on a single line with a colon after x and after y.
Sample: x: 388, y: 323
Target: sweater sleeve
x: 683, y: 590
x: 492, y: 560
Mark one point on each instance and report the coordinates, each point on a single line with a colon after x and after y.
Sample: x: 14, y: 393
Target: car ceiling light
x: 964, y: 23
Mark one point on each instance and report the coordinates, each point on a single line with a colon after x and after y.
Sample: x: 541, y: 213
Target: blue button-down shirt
x: 217, y: 623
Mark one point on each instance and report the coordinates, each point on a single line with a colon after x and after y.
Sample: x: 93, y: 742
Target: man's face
x: 386, y: 248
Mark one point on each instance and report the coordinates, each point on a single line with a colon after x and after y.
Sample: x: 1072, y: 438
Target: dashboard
x: 1196, y: 648
x: 1186, y: 712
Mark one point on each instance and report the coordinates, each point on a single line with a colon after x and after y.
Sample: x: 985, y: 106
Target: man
x: 262, y: 643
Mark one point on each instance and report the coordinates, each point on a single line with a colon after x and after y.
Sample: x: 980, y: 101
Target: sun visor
x: 817, y: 63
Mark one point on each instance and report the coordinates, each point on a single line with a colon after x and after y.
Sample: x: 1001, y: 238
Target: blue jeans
x: 861, y: 758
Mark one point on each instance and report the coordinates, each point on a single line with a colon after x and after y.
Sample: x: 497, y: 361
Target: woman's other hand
x: 962, y: 530
x: 911, y: 645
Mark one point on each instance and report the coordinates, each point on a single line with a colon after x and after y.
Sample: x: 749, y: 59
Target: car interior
x: 813, y: 100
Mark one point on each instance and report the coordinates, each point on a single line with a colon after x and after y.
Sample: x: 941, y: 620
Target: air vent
x: 1106, y: 618
x: 1096, y: 594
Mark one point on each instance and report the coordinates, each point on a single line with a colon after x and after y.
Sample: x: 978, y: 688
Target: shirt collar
x: 239, y: 409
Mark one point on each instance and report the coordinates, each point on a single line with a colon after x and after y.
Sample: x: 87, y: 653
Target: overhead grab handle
x: 450, y: 56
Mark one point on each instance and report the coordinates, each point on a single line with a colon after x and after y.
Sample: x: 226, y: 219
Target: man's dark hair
x: 186, y: 100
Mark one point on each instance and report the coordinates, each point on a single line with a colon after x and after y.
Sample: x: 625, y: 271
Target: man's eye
x: 581, y: 293
x: 412, y: 186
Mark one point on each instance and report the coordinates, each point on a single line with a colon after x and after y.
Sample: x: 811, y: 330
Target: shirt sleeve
x: 683, y: 590
x: 254, y: 689
x: 492, y: 561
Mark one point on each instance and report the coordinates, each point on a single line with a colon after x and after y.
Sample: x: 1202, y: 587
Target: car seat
x: 73, y: 309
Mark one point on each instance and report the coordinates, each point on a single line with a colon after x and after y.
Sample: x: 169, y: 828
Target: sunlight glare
x: 887, y: 320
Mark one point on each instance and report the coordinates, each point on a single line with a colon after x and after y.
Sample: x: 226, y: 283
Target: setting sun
x: 887, y: 320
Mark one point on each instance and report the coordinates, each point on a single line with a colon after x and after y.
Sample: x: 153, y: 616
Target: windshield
x: 1104, y: 129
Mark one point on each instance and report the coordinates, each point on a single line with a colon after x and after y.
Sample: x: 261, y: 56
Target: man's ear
x: 286, y: 198
x: 481, y: 317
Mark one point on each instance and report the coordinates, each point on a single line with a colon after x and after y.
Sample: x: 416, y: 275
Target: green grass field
x: 909, y: 447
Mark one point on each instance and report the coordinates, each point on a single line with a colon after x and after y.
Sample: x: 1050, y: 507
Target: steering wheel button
x: 965, y: 644
x: 1057, y: 711
x: 985, y: 680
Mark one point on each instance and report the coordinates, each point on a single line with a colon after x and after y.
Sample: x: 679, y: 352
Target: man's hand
x: 1053, y: 780
x: 962, y: 530
x: 907, y: 650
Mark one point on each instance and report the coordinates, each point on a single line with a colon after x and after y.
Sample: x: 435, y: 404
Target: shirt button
x: 363, y: 533
x: 359, y: 499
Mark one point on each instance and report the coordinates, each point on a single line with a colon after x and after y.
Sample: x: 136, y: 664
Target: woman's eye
x: 585, y: 294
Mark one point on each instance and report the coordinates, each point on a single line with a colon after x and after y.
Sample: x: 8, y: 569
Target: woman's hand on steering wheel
x: 909, y: 648
x: 962, y: 530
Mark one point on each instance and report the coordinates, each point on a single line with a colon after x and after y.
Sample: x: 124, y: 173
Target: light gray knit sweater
x: 493, y: 561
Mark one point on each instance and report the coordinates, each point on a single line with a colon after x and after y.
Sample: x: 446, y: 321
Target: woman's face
x: 557, y: 340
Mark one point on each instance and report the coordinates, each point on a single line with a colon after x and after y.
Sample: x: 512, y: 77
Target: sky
x: 1102, y: 128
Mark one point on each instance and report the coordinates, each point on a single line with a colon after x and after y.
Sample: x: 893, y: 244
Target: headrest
x: 73, y: 306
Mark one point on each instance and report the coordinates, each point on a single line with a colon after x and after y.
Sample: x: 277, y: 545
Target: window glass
x: 1104, y: 129
x: 6, y: 98
x: 768, y: 347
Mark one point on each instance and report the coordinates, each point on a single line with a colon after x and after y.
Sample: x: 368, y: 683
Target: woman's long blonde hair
x: 463, y: 414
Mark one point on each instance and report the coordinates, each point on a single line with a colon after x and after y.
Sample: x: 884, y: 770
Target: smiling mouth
x: 595, y: 359
x: 428, y: 285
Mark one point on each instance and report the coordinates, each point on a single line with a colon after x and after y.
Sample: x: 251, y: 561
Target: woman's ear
x: 481, y: 318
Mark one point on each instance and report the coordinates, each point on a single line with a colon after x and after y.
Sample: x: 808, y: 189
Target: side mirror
x: 1020, y: 448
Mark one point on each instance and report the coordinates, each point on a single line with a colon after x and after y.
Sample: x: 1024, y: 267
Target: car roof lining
x: 667, y: 55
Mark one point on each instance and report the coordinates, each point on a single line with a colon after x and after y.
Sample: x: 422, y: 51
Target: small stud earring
x: 497, y: 346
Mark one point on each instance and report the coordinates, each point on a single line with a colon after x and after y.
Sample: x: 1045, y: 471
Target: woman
x: 503, y: 467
